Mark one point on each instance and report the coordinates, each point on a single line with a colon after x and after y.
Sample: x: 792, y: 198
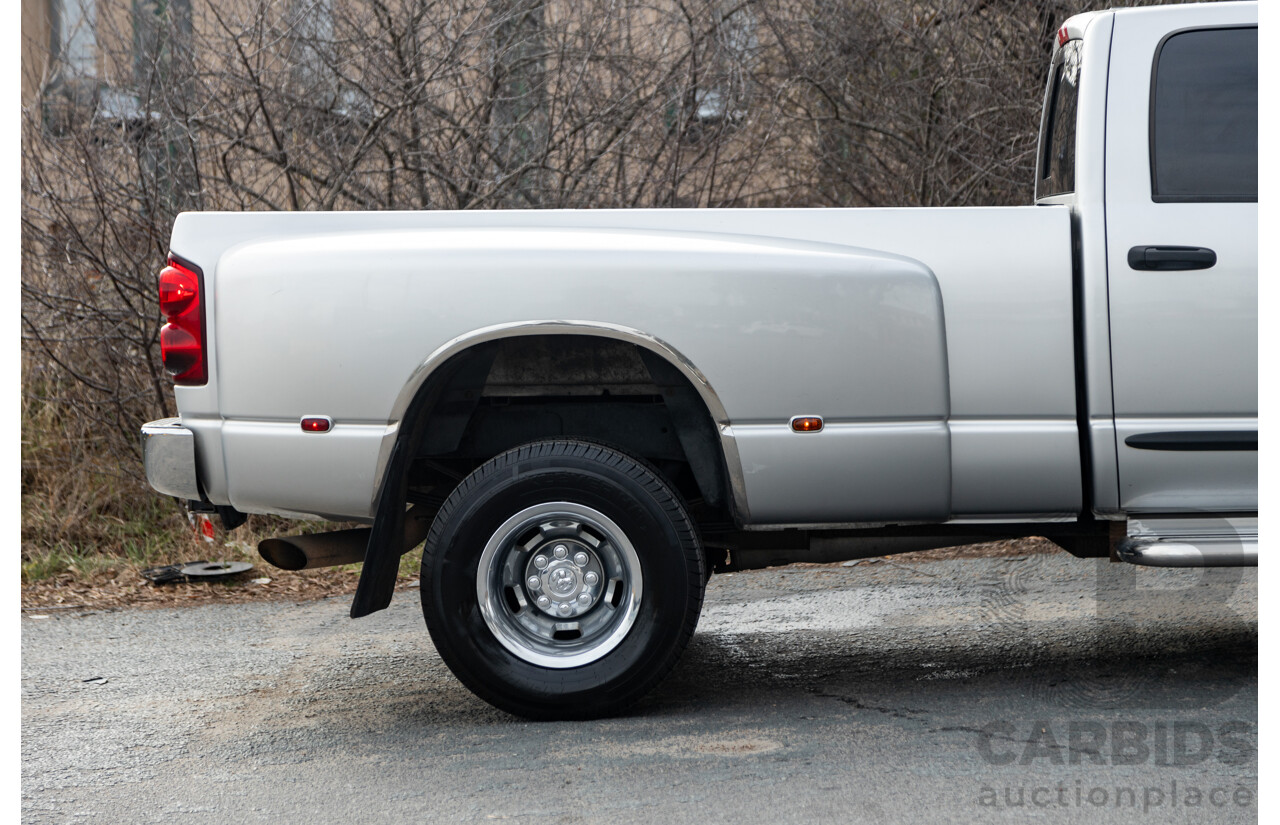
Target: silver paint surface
x: 823, y: 477
x: 1184, y: 344
x: 776, y: 318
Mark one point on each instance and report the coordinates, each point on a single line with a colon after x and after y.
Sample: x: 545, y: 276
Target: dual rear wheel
x: 562, y: 579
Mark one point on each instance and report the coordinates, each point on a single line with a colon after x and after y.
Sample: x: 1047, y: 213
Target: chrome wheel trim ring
x: 509, y: 605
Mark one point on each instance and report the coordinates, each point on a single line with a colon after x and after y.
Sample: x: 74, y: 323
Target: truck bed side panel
x: 955, y: 338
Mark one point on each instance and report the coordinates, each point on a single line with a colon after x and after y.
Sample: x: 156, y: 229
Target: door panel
x: 1182, y: 256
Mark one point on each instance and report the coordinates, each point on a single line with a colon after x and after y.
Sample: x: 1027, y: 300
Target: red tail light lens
x: 178, y: 288
x: 182, y: 338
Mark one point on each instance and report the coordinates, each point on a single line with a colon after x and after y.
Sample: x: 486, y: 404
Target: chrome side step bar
x: 1184, y: 554
x: 1204, y: 541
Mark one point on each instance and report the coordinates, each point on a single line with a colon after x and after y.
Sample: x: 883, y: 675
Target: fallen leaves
x: 125, y: 587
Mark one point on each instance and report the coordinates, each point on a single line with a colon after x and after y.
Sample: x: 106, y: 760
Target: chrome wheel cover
x: 559, y: 585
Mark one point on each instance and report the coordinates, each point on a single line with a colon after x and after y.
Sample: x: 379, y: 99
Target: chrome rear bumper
x: 169, y: 457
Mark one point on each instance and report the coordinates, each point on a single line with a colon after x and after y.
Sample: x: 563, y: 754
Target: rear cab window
x: 1056, y: 164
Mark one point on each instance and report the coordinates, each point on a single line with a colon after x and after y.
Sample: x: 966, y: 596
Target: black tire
x: 547, y: 511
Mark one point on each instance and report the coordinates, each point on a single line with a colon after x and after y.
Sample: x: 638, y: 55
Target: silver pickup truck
x: 586, y: 413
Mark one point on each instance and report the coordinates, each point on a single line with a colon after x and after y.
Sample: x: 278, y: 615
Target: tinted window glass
x: 1058, y: 165
x: 1204, y: 126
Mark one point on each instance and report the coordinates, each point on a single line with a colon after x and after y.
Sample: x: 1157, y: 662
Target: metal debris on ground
x: 201, y: 570
x: 166, y: 574
x: 95, y: 680
x: 214, y: 569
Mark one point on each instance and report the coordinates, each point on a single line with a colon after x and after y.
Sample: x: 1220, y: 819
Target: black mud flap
x: 395, y: 530
x: 386, y: 539
x: 393, y: 535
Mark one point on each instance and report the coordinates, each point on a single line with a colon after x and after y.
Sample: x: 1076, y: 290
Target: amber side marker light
x: 317, y: 424
x: 806, y: 423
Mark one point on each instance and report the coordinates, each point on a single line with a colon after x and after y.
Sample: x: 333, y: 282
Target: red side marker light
x: 317, y: 424
x: 806, y: 423
x: 1063, y: 37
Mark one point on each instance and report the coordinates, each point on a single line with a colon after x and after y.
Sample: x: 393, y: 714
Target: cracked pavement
x: 887, y: 691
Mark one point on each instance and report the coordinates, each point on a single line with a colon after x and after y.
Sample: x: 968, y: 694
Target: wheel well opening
x: 501, y: 394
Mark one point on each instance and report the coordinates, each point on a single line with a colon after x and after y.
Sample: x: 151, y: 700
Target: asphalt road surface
x: 1043, y: 687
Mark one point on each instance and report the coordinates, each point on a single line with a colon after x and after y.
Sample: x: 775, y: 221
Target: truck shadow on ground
x: 1089, y: 671
x: 757, y: 676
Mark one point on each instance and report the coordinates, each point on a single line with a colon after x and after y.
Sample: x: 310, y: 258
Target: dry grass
x: 80, y: 512
x: 100, y: 580
x: 121, y: 584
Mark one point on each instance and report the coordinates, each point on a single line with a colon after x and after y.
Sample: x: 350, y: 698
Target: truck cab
x: 1167, y: 231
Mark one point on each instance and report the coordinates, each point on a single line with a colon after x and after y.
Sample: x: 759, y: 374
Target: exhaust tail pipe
x: 339, y: 546
x: 316, y: 550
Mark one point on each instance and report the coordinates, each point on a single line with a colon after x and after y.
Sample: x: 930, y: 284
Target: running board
x: 1204, y: 541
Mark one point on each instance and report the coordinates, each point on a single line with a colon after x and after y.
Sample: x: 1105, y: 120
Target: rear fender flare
x: 437, y: 359
x: 381, y: 560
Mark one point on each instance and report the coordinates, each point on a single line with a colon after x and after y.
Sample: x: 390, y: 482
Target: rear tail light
x: 182, y: 337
